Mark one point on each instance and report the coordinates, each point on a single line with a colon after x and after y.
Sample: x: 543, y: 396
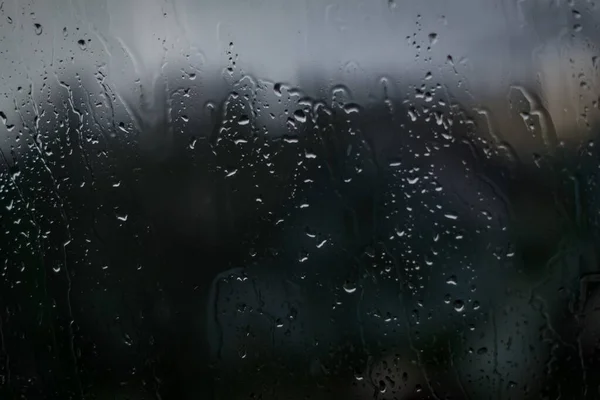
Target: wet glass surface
x: 299, y: 199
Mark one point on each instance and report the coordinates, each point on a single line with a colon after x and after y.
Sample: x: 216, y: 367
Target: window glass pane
x: 299, y: 199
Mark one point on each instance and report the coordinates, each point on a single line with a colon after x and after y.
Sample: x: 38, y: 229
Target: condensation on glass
x: 299, y: 199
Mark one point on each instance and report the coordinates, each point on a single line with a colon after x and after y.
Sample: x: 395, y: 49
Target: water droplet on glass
x: 242, y: 353
x: 433, y: 37
x: 412, y: 115
x: 459, y: 305
x: 300, y: 116
x: 81, y: 44
x: 351, y: 108
x: 451, y: 280
x: 349, y: 287
x: 243, y: 120
x: 38, y: 29
x: 382, y: 387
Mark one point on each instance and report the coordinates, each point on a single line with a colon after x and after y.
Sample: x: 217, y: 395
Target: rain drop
x: 433, y: 37
x: 349, y: 287
x: 300, y: 116
x: 459, y: 305
x: 243, y: 120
